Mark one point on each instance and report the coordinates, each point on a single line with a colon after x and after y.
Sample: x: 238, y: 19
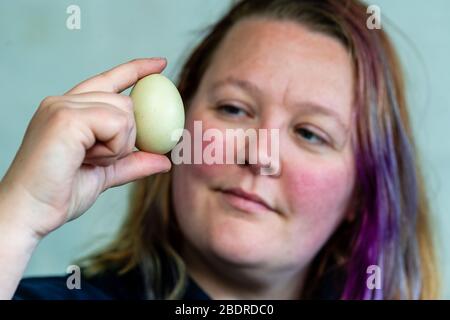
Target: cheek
x: 320, y: 186
x: 317, y: 197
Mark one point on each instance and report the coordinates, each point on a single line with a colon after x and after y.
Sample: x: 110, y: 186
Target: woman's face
x: 270, y: 74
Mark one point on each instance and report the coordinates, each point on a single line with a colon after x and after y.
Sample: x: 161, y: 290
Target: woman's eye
x: 229, y: 109
x: 310, y: 136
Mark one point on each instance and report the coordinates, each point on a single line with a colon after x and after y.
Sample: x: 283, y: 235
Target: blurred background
x: 40, y: 56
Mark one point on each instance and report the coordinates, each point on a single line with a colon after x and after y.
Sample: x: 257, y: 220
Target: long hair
x: 390, y: 224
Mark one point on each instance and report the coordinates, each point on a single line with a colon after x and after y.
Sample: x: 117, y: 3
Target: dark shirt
x: 129, y: 286
x: 106, y: 287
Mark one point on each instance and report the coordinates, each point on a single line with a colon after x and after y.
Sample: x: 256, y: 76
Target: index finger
x: 121, y: 77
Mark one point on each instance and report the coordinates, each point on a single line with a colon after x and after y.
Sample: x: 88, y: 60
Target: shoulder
x: 110, y: 286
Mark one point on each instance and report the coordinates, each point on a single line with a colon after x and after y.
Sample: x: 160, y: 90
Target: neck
x: 221, y: 280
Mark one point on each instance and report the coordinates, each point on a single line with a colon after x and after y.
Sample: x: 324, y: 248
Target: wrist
x: 14, y: 210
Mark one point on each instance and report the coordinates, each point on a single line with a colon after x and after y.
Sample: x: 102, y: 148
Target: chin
x: 239, y: 249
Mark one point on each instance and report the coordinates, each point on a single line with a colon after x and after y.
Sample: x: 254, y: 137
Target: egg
x: 158, y: 112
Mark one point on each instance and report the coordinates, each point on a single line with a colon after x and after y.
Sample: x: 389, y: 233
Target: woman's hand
x: 76, y: 146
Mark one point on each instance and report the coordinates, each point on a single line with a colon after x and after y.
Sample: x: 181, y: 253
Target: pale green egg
x: 158, y: 112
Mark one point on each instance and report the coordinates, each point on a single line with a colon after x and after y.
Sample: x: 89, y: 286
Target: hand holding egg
x: 81, y: 143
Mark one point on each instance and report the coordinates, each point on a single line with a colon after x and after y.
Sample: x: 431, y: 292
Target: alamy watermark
x: 374, y: 20
x: 235, y: 146
x: 373, y: 281
x: 73, y: 21
x: 74, y: 279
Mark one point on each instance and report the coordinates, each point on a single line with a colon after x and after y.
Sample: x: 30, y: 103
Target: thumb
x: 135, y: 166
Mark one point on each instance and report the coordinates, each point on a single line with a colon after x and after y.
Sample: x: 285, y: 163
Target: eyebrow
x: 308, y: 107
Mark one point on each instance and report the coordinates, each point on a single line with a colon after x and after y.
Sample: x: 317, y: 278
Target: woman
x: 348, y: 197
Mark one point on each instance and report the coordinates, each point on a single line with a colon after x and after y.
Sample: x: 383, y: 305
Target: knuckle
x: 129, y: 119
x: 47, y: 101
x: 62, y: 115
x: 123, y: 120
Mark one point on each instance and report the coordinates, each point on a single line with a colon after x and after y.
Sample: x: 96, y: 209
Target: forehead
x: 284, y: 57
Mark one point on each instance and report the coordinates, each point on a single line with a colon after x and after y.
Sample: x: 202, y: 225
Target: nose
x: 261, y: 155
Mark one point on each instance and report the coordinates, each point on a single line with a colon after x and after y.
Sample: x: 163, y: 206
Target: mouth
x: 245, y: 201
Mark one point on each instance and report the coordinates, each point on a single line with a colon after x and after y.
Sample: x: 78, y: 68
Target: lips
x: 245, y: 200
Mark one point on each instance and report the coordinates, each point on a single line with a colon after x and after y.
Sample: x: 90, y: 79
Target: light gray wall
x: 39, y: 56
